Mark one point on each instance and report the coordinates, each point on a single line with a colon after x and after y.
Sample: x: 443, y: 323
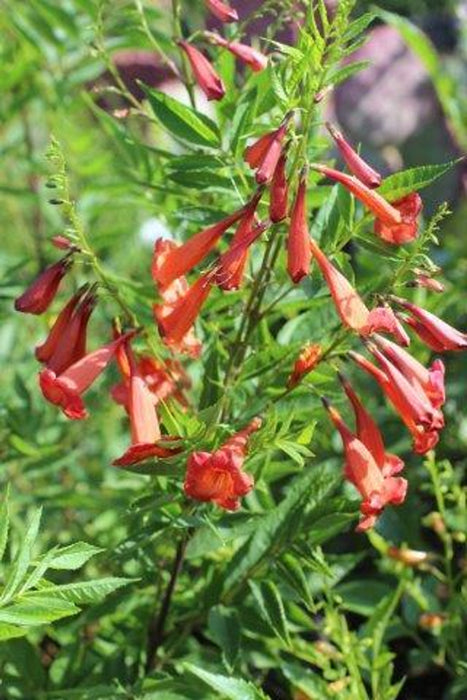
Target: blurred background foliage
x: 57, y: 74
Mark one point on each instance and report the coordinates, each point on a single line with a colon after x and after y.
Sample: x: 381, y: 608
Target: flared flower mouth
x: 143, y: 451
x: 62, y: 394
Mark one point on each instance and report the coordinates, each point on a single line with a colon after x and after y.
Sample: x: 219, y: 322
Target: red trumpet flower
x: 145, y: 430
x: 361, y: 469
x: 231, y: 266
x: 413, y: 407
x: 357, y: 166
x: 263, y: 155
x: 307, y: 360
x: 67, y: 345
x: 45, y: 351
x: 171, y: 262
x: 218, y: 476
x: 431, y: 381
x: 66, y: 389
x: 278, y: 200
x: 395, y: 223
x: 424, y: 280
x: 176, y: 316
x: 437, y: 334
x: 369, y: 433
x: 223, y: 12
x: 350, y: 306
x: 298, y: 241
x: 41, y: 293
x: 205, y: 75
x: 256, y: 60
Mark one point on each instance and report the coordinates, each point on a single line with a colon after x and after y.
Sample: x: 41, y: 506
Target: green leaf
x: 340, y: 74
x: 183, y: 121
x: 412, y: 180
x: 23, y: 559
x: 271, y: 607
x: 83, y: 591
x: 11, y: 632
x: 232, y: 688
x: 4, y: 522
x: 280, y: 524
x: 74, y: 556
x: 224, y: 626
x: 37, y: 610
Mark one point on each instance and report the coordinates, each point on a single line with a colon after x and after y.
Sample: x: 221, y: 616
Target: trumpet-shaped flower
x: 173, y: 261
x: 205, y: 75
x: 362, y: 470
x: 176, y: 316
x: 223, y: 12
x: 263, y: 155
x: 431, y: 380
x: 231, y: 266
x: 41, y: 293
x: 256, y: 60
x: 218, y: 476
x: 369, y: 433
x: 66, y: 389
x: 413, y: 407
x: 298, y: 241
x: 144, y: 423
x: 396, y: 222
x: 279, y: 194
x: 435, y: 332
x: 351, y: 307
x: 58, y: 331
x: 357, y: 166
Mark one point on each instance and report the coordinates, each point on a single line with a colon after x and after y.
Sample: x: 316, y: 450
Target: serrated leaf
x: 412, y: 180
x: 74, y: 556
x: 37, y: 610
x: 22, y: 559
x: 83, y: 591
x: 271, y: 607
x: 224, y: 626
x: 340, y: 74
x: 232, y: 688
x: 304, y: 493
x: 182, y: 121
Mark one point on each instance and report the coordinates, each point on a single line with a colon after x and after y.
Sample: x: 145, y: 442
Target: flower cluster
x: 415, y: 391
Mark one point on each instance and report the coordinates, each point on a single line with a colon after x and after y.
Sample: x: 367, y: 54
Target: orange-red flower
x: 176, y: 315
x: 413, y: 407
x: 231, y: 265
x: 369, y: 433
x: 307, y: 360
x: 145, y: 430
x: 223, y: 12
x: 172, y: 261
x: 396, y: 222
x: 436, y: 333
x: 351, y: 307
x: 263, y: 155
x: 218, y: 476
x: 56, y: 334
x: 66, y: 389
x: 361, y: 469
x: 422, y: 279
x: 357, y: 166
x: 298, y: 241
x: 431, y: 380
x: 67, y: 345
x: 279, y: 195
x: 256, y: 60
x: 41, y: 293
x: 205, y: 75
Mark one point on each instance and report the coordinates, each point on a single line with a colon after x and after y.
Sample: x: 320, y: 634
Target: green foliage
x: 113, y: 584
